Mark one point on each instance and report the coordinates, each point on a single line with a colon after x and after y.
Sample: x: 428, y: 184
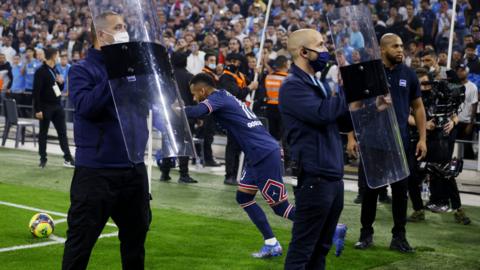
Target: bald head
x: 389, y: 39
x: 304, y: 38
x: 391, y: 47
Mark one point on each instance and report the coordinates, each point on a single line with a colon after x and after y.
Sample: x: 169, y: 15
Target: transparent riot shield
x: 366, y: 89
x: 141, y: 78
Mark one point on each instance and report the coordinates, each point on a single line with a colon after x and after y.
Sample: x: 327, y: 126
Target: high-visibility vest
x: 272, y: 85
x: 210, y: 72
x: 240, y: 78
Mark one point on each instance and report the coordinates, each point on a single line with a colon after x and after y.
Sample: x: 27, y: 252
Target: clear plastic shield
x: 141, y: 78
x: 366, y: 89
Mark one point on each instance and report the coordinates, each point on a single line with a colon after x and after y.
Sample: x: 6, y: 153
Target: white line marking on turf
x: 55, y: 240
x: 58, y: 221
x: 45, y: 211
x: 33, y: 209
x: 49, y: 243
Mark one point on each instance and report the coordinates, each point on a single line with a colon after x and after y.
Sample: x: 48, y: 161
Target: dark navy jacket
x: 98, y: 138
x: 310, y: 121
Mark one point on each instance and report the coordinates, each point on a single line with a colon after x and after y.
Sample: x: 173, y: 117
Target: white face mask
x: 212, y: 66
x: 120, y: 37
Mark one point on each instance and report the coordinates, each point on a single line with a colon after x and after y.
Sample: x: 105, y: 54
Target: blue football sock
x: 256, y: 214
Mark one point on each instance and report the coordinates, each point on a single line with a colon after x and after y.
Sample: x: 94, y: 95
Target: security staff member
x: 309, y: 114
x: 105, y: 183
x: 272, y: 86
x: 405, y: 92
x: 207, y: 130
x: 47, y: 93
x: 234, y: 82
x: 182, y: 77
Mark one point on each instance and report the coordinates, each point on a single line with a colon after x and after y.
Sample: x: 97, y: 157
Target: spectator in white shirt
x: 7, y: 49
x: 196, y: 60
x: 468, y: 109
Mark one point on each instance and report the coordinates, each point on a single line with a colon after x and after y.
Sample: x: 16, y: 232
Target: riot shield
x: 141, y: 78
x: 366, y: 90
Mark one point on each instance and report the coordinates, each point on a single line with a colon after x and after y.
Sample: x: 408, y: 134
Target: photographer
x: 441, y: 101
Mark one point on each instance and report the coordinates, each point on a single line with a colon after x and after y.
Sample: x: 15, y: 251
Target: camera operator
x: 430, y: 62
x: 441, y: 124
x: 467, y: 112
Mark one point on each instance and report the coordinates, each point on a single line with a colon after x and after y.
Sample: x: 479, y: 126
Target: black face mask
x: 426, y: 94
x: 320, y: 62
x: 232, y: 68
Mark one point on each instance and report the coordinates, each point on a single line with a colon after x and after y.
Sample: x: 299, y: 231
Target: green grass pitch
x: 201, y: 227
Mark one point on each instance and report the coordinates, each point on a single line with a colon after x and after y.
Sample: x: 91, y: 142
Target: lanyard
x: 319, y: 84
x: 53, y: 75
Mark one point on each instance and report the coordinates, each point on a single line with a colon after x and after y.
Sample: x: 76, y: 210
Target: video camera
x: 444, y: 101
x: 444, y: 170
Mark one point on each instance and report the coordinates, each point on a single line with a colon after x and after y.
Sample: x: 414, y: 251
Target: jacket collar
x: 306, y: 78
x: 95, y: 55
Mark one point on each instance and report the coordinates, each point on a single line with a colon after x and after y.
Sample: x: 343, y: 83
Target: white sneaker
x: 69, y: 164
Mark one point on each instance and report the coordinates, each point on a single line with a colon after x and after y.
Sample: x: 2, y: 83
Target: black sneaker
x: 230, y: 181
x: 417, y: 216
x: 42, y: 164
x: 186, y: 180
x: 212, y: 163
x: 440, y: 208
x: 165, y: 178
x: 461, y: 218
x: 400, y: 243
x: 364, y: 242
x: 358, y: 199
x: 385, y: 199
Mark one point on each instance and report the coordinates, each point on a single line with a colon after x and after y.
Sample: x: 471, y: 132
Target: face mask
x: 57, y: 61
x: 255, y: 50
x: 22, y: 49
x: 321, y: 62
x: 232, y: 68
x: 426, y: 94
x: 212, y: 66
x: 40, y: 45
x: 120, y: 37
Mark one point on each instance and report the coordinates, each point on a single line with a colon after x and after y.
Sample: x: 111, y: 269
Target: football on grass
x: 41, y: 225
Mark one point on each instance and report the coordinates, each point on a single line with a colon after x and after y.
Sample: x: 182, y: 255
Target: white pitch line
x: 57, y: 239
x: 45, y: 211
x: 33, y: 209
x: 58, y: 221
x: 49, y: 243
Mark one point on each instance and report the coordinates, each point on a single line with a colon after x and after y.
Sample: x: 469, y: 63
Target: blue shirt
x: 64, y: 72
x: 30, y: 69
x: 356, y: 40
x: 18, y: 83
x: 404, y: 88
x: 428, y: 18
x: 239, y: 121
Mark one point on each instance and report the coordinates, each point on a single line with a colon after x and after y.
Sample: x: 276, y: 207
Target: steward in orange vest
x: 233, y: 80
x: 272, y: 86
